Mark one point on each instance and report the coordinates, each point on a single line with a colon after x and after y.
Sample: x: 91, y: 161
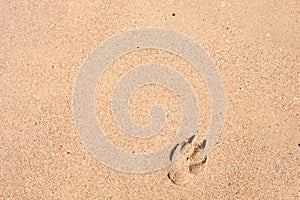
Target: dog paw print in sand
x: 90, y: 129
x: 188, y: 166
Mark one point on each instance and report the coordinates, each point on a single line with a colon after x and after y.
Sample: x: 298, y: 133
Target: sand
x: 255, y: 47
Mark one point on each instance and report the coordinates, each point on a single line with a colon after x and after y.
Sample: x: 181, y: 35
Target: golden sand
x: 255, y: 46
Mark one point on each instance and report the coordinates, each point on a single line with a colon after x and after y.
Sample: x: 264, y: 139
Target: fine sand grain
x: 254, y: 46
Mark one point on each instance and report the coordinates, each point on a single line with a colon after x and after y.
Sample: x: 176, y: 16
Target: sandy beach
x: 254, y: 46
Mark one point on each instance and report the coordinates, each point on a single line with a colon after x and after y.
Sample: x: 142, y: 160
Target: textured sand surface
x: 255, y: 46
